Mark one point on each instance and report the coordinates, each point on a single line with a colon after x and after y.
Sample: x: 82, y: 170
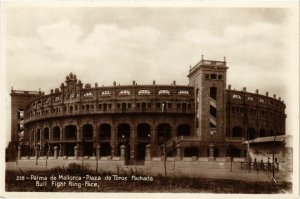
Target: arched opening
x: 105, y: 133
x: 251, y: 133
x: 87, y: 132
x: 262, y: 133
x: 191, y: 151
x: 163, y: 133
x: 105, y: 149
x: 56, y: 133
x: 141, y: 151
x: 216, y: 152
x: 38, y: 135
x: 69, y: 149
x: 184, y: 130
x: 46, y: 134
x: 143, y: 132
x: 237, y: 131
x: 70, y: 132
x: 123, y: 133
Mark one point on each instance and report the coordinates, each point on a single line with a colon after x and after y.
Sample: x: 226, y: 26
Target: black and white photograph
x: 184, y: 99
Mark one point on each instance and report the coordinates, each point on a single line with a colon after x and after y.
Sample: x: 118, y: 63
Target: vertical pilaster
x: 50, y: 133
x: 60, y: 150
x: 61, y: 133
x: 132, y: 141
x: 42, y: 142
x: 173, y: 130
x: 113, y: 140
x: 55, y: 152
x: 153, y: 134
x: 79, y: 133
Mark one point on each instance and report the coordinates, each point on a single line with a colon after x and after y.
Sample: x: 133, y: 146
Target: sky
x: 122, y: 44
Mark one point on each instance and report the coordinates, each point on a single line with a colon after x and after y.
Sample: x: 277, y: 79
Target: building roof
x: 279, y: 138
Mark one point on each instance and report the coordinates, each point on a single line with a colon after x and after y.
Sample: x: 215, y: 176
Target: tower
x: 19, y: 103
x: 209, y: 81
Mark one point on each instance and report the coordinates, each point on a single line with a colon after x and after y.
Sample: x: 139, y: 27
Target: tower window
x: 213, y: 76
x: 213, y: 93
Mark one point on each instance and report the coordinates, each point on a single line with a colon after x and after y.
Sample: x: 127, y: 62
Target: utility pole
x: 165, y: 152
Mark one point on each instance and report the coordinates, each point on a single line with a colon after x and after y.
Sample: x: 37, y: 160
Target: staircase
x: 171, y: 143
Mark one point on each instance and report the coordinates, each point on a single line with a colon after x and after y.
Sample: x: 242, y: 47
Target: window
x: 189, y: 106
x: 169, y: 105
x: 250, y: 98
x: 236, y: 96
x: 57, y: 99
x: 178, y: 105
x: 46, y: 101
x: 106, y: 93
x: 71, y: 95
x: 182, y: 92
x: 213, y: 76
x: 138, y: 105
x: 118, y: 105
x: 261, y: 100
x: 206, y: 76
x: 220, y: 77
x: 109, y: 106
x: 129, y: 105
x: 213, y: 93
x: 100, y: 106
x: 149, y: 105
x: 164, y: 92
x: 144, y: 92
x: 88, y: 94
x: 158, y: 105
x: 124, y: 92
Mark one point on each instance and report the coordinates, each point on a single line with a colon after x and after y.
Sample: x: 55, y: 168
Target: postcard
x: 177, y: 99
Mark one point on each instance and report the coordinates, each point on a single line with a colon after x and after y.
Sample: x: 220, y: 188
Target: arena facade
x: 205, y: 118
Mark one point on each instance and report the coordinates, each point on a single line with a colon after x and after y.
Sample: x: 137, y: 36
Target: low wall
x: 30, y: 163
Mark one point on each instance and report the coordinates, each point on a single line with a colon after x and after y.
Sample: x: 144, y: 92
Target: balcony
x: 113, y: 111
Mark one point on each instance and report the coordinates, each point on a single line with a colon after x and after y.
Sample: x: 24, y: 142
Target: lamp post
x: 273, y: 159
x: 47, y: 148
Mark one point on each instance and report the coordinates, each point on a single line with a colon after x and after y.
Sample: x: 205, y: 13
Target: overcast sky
x: 103, y: 45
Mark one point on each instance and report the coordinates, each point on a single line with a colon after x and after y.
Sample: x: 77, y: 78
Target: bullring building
x: 205, y: 117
